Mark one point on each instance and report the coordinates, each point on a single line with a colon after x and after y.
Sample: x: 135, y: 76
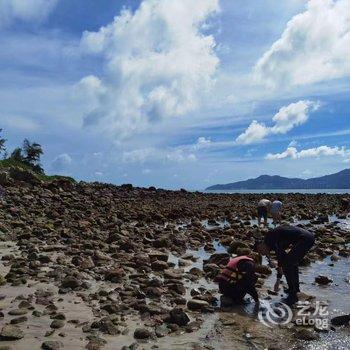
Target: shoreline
x: 114, y: 259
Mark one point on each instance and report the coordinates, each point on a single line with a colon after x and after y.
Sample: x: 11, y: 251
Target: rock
x: 19, y: 320
x: 28, y: 176
x: 51, y: 345
x: 155, y: 255
x: 218, y: 259
x: 95, y: 342
x: 196, y: 304
x: 9, y: 332
x: 70, y: 282
x: 306, y: 334
x: 57, y: 324
x: 18, y: 312
x: 37, y: 313
x: 108, y: 327
x: 323, y: 280
x: 342, y: 320
x: 271, y: 292
x: 2, y: 280
x: 334, y: 240
x: 59, y: 316
x: 142, y: 333
x: 179, y: 317
x: 235, y: 245
x: 159, y: 265
x: 114, y: 275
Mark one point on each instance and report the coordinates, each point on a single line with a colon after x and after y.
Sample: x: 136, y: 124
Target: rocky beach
x: 98, y: 266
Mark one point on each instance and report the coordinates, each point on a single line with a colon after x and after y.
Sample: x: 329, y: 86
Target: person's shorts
x: 275, y: 212
x: 262, y: 212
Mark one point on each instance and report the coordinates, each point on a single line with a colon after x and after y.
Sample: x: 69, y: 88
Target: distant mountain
x: 267, y: 182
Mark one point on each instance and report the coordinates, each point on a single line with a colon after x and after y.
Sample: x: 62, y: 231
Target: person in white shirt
x: 276, y: 209
x: 263, y: 208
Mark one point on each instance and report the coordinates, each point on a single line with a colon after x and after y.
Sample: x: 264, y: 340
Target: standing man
x: 276, y: 209
x: 263, y: 208
x: 279, y: 240
x: 238, y: 278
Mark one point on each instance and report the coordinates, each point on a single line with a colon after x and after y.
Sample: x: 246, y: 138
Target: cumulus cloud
x: 143, y: 155
x: 24, y: 10
x: 321, y: 151
x: 158, y: 64
x: 285, y: 120
x: 315, y: 46
x: 202, y: 142
x: 61, y: 162
x: 254, y: 133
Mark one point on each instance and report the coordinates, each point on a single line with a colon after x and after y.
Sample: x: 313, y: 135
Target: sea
x: 305, y: 191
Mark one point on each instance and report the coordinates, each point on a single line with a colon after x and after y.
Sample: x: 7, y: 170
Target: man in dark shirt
x: 279, y: 240
x: 238, y: 279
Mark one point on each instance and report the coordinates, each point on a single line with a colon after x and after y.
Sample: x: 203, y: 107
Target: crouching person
x: 298, y: 242
x: 238, y: 279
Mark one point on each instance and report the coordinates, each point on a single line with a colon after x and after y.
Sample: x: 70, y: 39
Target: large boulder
x: 179, y: 317
x: 142, y: 333
x: 197, y: 304
x: 323, y: 280
x: 10, y: 332
x: 341, y: 320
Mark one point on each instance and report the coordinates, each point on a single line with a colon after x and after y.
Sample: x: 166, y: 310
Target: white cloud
x: 202, y: 142
x: 139, y: 155
x: 143, y: 155
x: 159, y: 64
x: 292, y: 115
x: 62, y: 161
x: 315, y: 46
x: 293, y: 143
x: 18, y: 122
x: 25, y: 10
x: 254, y: 133
x: 179, y: 156
x: 285, y: 120
x: 321, y: 151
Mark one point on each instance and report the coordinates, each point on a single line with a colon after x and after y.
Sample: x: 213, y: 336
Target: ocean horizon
x: 284, y: 191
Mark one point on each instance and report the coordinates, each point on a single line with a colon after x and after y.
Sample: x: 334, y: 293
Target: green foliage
x: 27, y: 157
x: 32, y: 152
x: 29, y: 154
x: 10, y: 162
x: 17, y: 155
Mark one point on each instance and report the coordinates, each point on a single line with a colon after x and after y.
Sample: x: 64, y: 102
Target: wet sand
x: 103, y: 261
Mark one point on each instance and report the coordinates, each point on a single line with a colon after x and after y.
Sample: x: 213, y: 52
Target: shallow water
x: 305, y: 191
x: 337, y: 294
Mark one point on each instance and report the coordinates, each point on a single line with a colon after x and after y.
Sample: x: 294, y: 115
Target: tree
x: 32, y: 153
x: 2, y: 144
x: 17, y: 155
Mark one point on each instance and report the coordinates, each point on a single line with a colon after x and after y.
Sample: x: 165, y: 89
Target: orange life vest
x: 230, y: 273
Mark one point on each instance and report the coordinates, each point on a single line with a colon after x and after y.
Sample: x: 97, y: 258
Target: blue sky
x: 178, y: 93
